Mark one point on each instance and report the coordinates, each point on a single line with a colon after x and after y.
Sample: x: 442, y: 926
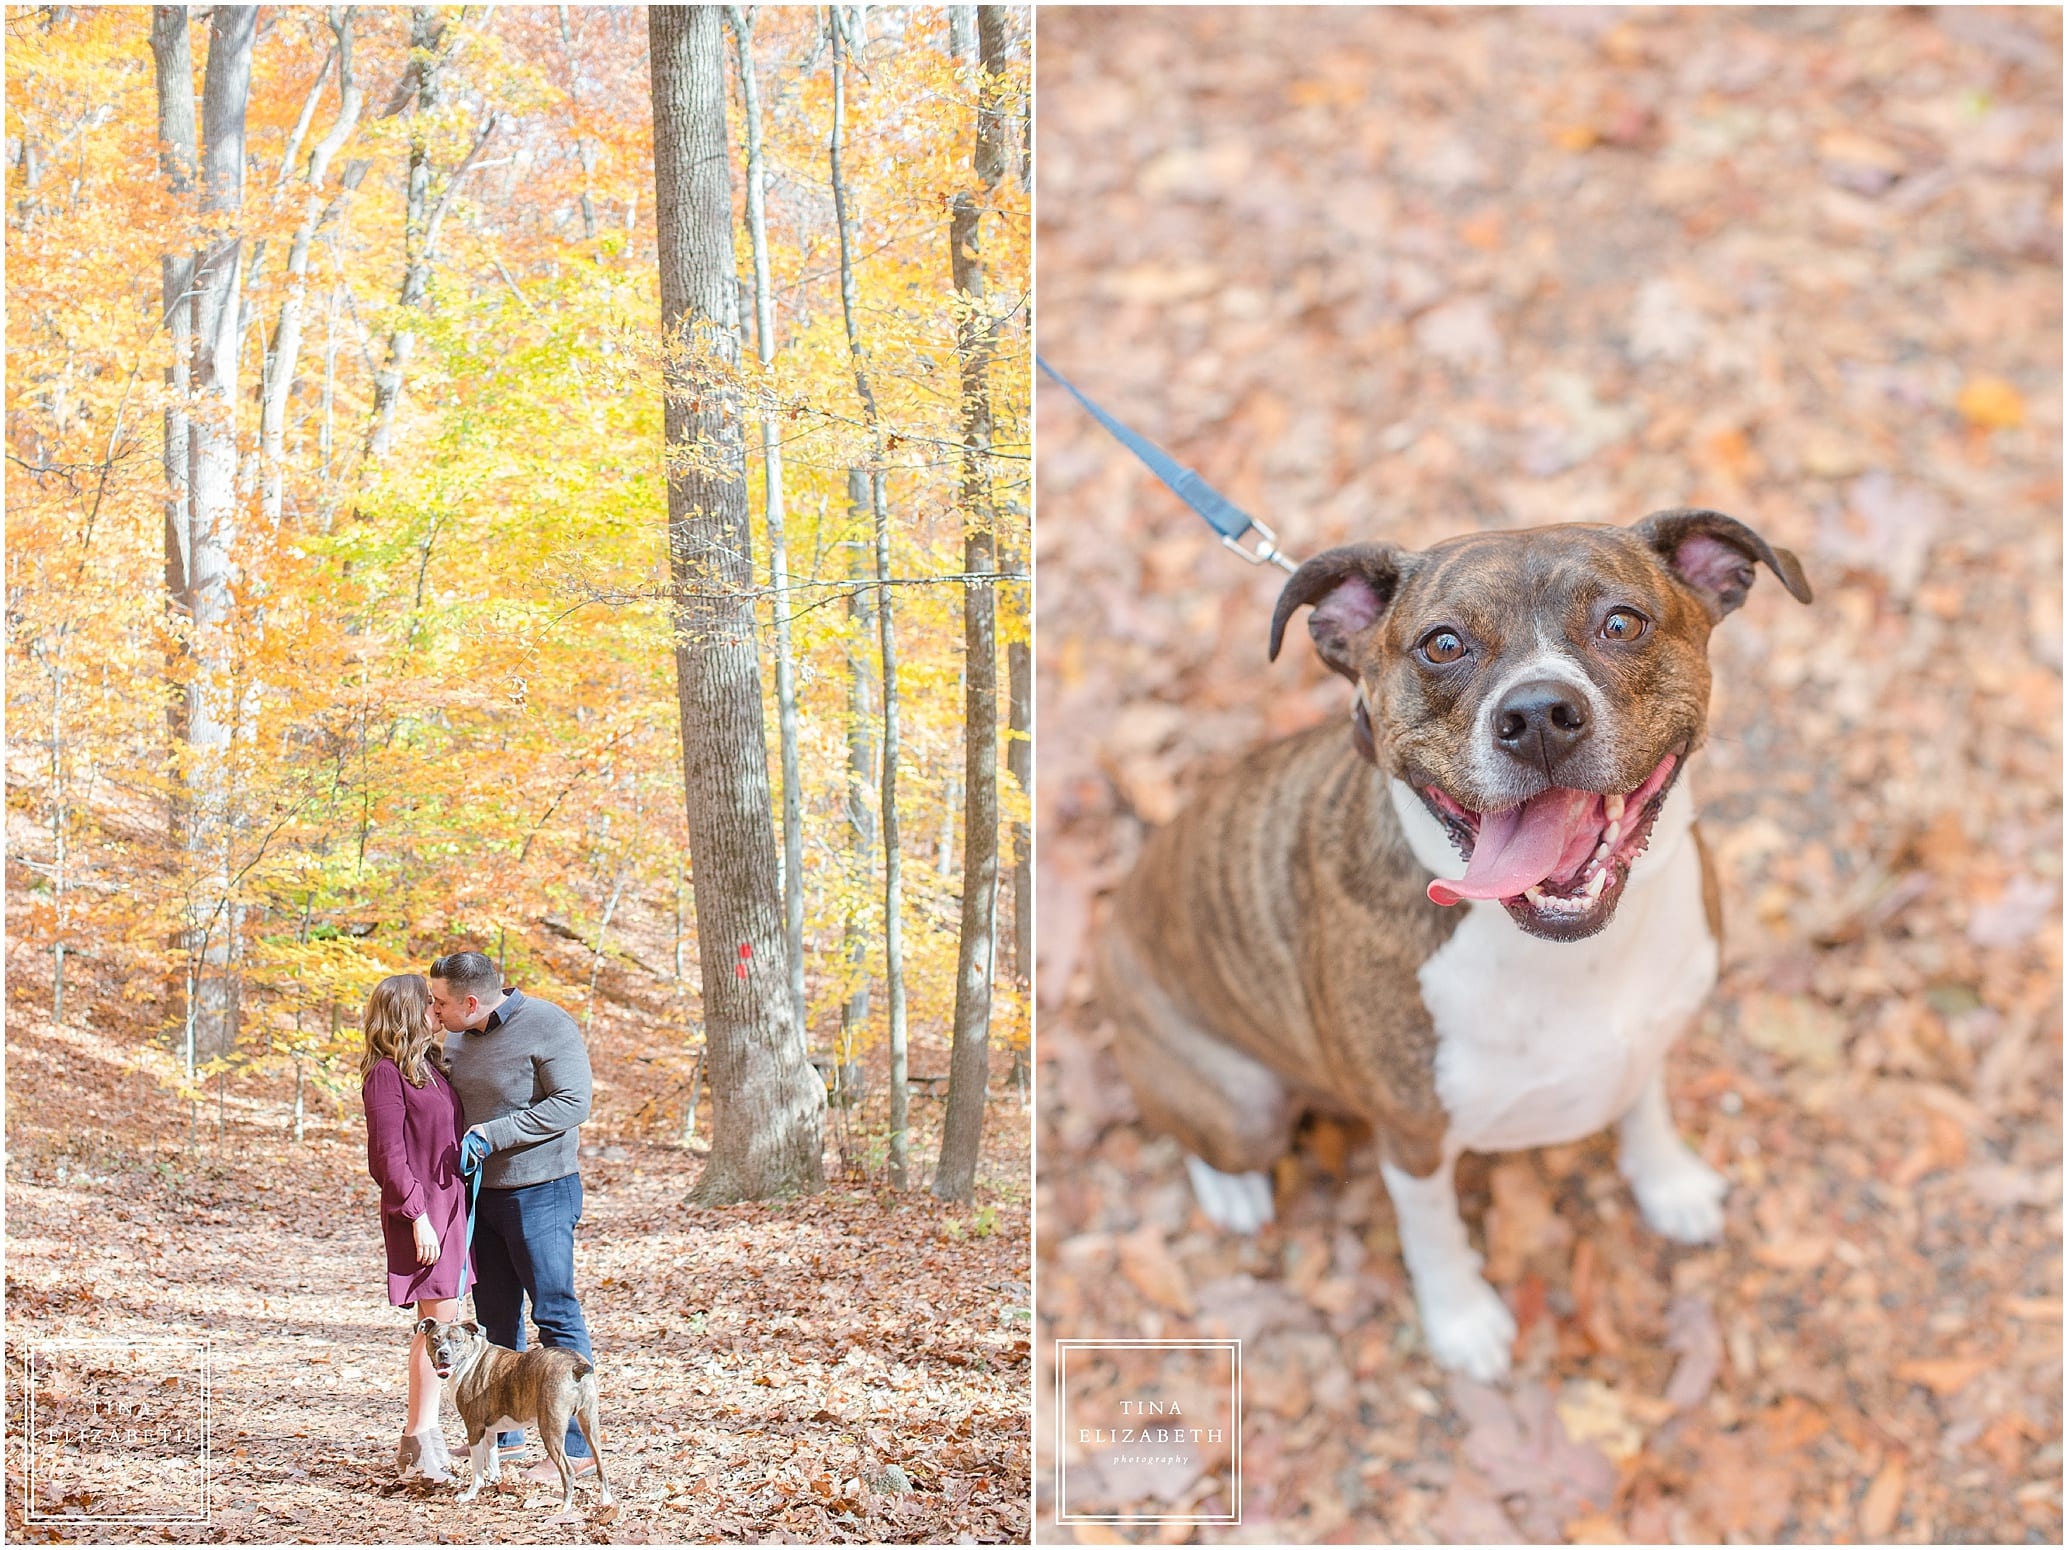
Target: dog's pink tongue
x: 1520, y: 847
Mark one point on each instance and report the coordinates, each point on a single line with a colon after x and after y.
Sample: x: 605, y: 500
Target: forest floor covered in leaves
x: 1404, y: 274
x: 850, y: 1366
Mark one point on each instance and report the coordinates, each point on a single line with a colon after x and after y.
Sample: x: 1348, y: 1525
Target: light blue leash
x: 470, y: 1170
x: 1226, y: 518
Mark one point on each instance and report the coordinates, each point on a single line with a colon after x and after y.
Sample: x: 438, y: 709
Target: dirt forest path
x: 851, y: 1366
x: 1410, y: 273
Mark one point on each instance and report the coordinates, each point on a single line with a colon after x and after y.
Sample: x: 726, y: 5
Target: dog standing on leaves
x: 1526, y: 705
x: 495, y: 1389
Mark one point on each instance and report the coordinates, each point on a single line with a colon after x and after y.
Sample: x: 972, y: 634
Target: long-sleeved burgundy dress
x: 413, y: 1153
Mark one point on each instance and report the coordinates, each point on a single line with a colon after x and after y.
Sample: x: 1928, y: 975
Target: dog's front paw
x: 1234, y: 1202
x: 1683, y: 1201
x: 1469, y: 1330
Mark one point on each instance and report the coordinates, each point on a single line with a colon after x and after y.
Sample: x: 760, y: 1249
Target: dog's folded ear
x: 471, y: 1327
x: 424, y: 1326
x: 1350, y: 589
x: 1714, y: 554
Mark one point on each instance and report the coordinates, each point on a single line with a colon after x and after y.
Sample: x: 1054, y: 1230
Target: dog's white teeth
x: 1601, y: 850
x: 1599, y: 882
x: 1535, y: 896
x: 1615, y: 832
x: 1614, y: 808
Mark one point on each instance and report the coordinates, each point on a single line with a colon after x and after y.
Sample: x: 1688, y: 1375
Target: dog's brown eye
x: 1623, y: 624
x: 1441, y: 646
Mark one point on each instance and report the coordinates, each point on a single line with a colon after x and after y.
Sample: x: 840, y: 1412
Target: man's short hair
x: 469, y: 974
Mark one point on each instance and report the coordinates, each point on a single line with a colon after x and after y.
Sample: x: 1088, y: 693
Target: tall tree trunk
x: 969, y: 1061
x: 861, y: 764
x: 583, y: 149
x: 172, y: 54
x: 426, y: 30
x: 778, y: 550
x: 893, y: 863
x: 212, y: 489
x: 287, y: 334
x: 768, y: 1103
x: 326, y: 429
x: 422, y: 220
x: 1019, y: 759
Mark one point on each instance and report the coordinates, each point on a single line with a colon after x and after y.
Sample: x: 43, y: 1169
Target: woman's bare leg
x: 423, y: 1377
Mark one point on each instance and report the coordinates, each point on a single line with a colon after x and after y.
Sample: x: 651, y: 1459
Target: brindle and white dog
x: 1526, y: 706
x: 495, y: 1389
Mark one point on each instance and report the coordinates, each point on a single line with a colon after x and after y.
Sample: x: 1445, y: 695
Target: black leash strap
x: 1222, y: 515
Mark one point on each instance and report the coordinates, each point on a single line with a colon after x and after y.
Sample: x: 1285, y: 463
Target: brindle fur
x: 1261, y: 958
x: 1712, y: 889
x: 1262, y: 961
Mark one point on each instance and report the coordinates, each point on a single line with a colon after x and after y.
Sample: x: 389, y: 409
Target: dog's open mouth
x: 1559, y: 861
x: 442, y: 1372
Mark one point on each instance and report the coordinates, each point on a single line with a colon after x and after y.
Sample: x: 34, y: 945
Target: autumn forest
x: 347, y: 627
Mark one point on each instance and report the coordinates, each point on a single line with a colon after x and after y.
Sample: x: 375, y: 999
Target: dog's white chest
x: 1540, y: 1043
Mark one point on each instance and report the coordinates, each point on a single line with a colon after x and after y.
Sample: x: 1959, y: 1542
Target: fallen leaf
x: 2041, y: 1310
x: 1468, y: 1515
x: 1887, y: 526
x: 1943, y: 1375
x: 1594, y: 1413
x: 1996, y: 1184
x: 1460, y: 333
x: 1797, y: 1253
x: 1796, y: 1029
x: 2014, y: 917
x: 1741, y: 1490
x: 1522, y: 1448
x: 1521, y: 1221
x: 1991, y: 403
x: 1691, y: 1332
x: 1590, y: 1306
x: 1146, y: 1261
x: 1884, y: 1498
x: 1595, y: 1528
x: 1065, y: 886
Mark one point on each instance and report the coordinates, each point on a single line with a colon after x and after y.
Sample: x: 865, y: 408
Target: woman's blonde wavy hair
x: 398, y: 1028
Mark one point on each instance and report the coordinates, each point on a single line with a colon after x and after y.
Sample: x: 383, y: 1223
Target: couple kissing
x: 461, y: 1071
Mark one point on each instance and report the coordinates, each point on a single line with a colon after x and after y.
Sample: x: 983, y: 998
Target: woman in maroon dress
x: 413, y: 1126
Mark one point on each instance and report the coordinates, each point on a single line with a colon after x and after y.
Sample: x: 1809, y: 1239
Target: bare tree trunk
x: 861, y: 765
x: 212, y: 488
x: 617, y: 891
x: 1019, y: 759
x: 422, y: 219
x: 287, y: 334
x: 172, y: 53
x: 767, y: 1101
x: 425, y: 32
x: 944, y: 850
x: 893, y: 863
x: 778, y: 550
x: 583, y: 150
x: 962, y: 1130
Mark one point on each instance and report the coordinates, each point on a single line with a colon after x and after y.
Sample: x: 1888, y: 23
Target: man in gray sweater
x: 522, y: 1075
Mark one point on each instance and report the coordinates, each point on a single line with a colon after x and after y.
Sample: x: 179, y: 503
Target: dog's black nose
x: 1542, y: 721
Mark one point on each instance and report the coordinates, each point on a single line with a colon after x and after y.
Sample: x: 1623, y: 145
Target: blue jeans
x: 524, y: 1246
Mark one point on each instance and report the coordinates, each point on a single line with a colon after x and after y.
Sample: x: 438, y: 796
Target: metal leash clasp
x: 1266, y: 552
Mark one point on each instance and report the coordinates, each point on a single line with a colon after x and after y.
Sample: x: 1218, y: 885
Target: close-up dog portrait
x: 1548, y: 945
